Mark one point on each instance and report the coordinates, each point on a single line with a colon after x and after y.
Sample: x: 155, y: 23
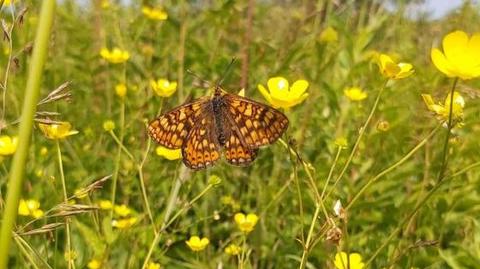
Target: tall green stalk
x: 32, y: 92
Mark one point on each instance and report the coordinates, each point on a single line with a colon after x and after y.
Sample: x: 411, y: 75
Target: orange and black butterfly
x: 224, y: 121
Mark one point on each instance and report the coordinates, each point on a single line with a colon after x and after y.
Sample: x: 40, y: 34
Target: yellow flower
x: 460, y: 57
x: 105, y: 4
x: 328, y: 35
x: 154, y: 13
x: 393, y: 70
x: 442, y: 111
x: 115, y: 56
x: 163, y: 87
x: 108, y: 125
x: 246, y: 223
x: 279, y: 93
x: 354, y: 260
x: 153, y: 265
x: 341, y: 142
x: 105, y: 204
x: 232, y: 249
x: 94, y: 264
x: 57, y: 131
x: 122, y: 210
x: 30, y: 208
x: 43, y: 151
x: 169, y: 154
x: 8, y: 2
x: 121, y: 90
x: 355, y: 93
x: 8, y: 145
x: 197, y: 244
x: 124, y: 223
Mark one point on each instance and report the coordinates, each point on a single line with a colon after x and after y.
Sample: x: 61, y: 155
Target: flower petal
x: 298, y: 88
x: 439, y: 60
x: 454, y: 45
x: 474, y: 49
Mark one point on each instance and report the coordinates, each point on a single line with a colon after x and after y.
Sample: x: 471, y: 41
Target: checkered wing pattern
x: 172, y: 128
x: 258, y: 124
x: 201, y: 147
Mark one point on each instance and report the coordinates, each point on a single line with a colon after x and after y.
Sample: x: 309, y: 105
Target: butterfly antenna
x: 225, y: 73
x: 195, y: 75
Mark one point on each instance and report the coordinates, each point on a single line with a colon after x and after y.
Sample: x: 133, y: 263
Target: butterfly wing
x: 172, y: 128
x: 236, y: 150
x: 257, y: 123
x: 201, y: 148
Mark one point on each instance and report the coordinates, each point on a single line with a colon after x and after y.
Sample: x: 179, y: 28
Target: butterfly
x: 223, y: 122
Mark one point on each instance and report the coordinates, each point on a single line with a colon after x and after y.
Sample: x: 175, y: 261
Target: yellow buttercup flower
x: 460, y: 57
x: 122, y: 210
x: 354, y: 261
x: 279, y: 94
x: 442, y: 111
x: 341, y: 142
x: 115, y: 56
x: 121, y: 90
x: 246, y: 223
x: 124, y: 223
x: 154, y: 13
x: 163, y: 87
x: 169, y: 154
x: 94, y: 264
x: 8, y: 145
x: 30, y: 207
x: 355, y: 93
x: 232, y: 249
x: 108, y: 125
x: 197, y: 244
x: 393, y: 70
x: 57, y: 130
x: 105, y: 4
x: 153, y: 265
x: 329, y: 35
x: 105, y: 204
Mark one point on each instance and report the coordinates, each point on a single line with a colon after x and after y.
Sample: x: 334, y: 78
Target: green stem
x: 65, y: 200
x: 359, y: 138
x: 319, y: 206
x: 118, y: 156
x: 167, y: 222
x: 417, y: 208
x: 32, y: 92
x: 443, y: 167
x: 392, y: 167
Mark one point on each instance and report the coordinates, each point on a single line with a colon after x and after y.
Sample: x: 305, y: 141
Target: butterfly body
x: 224, y: 122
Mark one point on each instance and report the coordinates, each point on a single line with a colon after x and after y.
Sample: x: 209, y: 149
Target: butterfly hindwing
x: 258, y: 124
x: 236, y: 150
x: 172, y: 128
x: 201, y: 148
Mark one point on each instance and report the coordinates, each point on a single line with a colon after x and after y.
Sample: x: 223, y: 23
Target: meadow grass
x: 368, y: 168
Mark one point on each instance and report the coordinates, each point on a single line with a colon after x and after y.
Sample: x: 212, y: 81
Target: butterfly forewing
x: 172, y: 128
x: 258, y: 124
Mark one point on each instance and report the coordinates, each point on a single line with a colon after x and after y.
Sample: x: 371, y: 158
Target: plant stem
x: 118, y: 156
x: 417, y: 208
x: 318, y: 206
x: 392, y: 167
x: 359, y: 138
x: 443, y: 167
x: 32, y: 92
x: 65, y: 200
